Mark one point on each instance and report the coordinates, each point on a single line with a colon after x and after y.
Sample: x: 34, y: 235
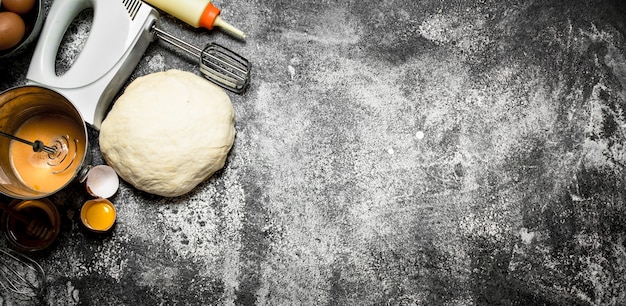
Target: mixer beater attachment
x: 20, y: 274
x: 218, y: 64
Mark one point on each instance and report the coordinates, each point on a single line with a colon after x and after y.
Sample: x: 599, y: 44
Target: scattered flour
x: 467, y: 35
x: 72, y: 294
x: 419, y: 135
x: 292, y: 71
x: 526, y: 236
x: 157, y: 63
x: 340, y: 33
x: 73, y: 41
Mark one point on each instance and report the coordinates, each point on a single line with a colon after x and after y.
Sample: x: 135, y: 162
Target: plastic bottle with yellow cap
x: 197, y: 13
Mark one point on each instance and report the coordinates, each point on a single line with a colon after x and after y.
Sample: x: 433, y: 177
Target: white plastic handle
x: 109, y: 39
x: 61, y: 15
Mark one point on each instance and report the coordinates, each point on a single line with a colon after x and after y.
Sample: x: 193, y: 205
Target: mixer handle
x: 63, y: 13
x: 104, y: 48
x: 118, y: 37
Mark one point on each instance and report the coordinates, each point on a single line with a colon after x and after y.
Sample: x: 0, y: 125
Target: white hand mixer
x: 120, y: 33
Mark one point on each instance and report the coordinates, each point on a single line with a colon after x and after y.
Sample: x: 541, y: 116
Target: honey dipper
x: 34, y: 226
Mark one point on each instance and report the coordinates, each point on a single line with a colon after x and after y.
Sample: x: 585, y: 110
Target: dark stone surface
x: 388, y: 152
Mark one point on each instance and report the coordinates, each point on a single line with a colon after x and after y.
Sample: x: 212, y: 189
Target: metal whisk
x: 218, y: 64
x: 37, y: 145
x: 20, y: 274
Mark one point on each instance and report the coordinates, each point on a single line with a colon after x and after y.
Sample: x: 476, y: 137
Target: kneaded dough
x: 168, y: 132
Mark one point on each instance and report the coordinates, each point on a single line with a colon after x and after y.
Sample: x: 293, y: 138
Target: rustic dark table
x: 387, y: 152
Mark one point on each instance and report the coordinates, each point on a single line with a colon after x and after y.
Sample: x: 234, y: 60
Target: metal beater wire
x: 17, y: 281
x: 183, y: 45
x: 193, y: 50
x: 37, y: 145
x: 217, y: 63
x: 226, y: 59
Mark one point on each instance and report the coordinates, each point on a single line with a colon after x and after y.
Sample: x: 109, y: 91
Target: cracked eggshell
x: 168, y: 132
x: 102, y: 181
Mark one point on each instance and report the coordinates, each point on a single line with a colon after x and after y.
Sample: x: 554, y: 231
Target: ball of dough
x: 168, y: 132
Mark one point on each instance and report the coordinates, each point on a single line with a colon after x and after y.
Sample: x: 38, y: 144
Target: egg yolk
x: 100, y: 216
